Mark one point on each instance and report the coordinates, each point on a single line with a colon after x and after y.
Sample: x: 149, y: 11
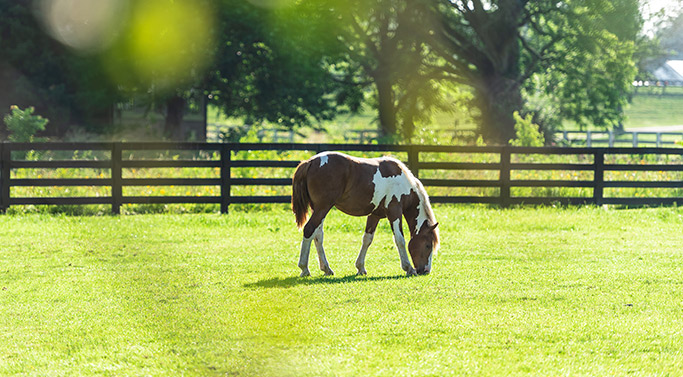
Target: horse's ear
x: 434, y: 226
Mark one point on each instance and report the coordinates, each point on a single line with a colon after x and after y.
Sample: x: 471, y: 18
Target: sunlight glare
x: 169, y: 40
x: 83, y: 25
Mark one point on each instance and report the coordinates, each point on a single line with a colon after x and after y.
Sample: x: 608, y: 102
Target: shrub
x: 528, y: 134
x: 23, y: 124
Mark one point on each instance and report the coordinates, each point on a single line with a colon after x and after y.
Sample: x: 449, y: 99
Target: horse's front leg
x: 370, y: 227
x: 394, y: 217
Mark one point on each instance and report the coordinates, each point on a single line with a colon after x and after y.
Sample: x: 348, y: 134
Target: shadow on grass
x: 295, y: 281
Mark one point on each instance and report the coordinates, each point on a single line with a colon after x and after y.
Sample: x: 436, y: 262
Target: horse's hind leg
x: 370, y: 227
x: 318, y: 238
x: 313, y: 230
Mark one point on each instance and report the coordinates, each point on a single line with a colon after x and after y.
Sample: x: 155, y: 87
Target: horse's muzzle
x: 423, y: 271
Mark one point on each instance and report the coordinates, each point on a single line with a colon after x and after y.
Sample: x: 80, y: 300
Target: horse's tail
x: 301, y: 200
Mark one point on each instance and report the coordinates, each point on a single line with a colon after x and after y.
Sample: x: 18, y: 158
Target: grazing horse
x: 376, y: 188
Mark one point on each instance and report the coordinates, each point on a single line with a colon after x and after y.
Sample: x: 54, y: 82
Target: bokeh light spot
x: 84, y: 25
x: 170, y: 40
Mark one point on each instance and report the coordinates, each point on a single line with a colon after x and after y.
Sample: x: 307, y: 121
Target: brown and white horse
x: 377, y: 188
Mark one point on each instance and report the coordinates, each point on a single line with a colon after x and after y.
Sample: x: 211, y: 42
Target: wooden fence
x: 608, y: 138
x: 612, y: 138
x: 435, y: 165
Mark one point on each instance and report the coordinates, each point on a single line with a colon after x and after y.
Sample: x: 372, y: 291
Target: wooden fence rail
x: 435, y: 172
x: 613, y: 138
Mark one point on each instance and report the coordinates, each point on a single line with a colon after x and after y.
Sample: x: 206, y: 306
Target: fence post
x: 2, y: 178
x: 504, y: 177
x: 225, y: 177
x: 589, y: 138
x: 635, y: 140
x: 611, y: 138
x: 116, y: 186
x: 5, y: 171
x: 598, y: 177
x: 414, y: 160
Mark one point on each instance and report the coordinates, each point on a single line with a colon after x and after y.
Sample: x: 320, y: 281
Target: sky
x: 659, y: 4
x: 653, y: 6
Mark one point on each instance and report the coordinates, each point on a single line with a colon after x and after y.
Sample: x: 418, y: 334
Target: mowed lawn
x: 530, y: 291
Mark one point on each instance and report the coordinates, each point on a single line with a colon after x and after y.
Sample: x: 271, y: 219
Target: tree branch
x: 537, y: 56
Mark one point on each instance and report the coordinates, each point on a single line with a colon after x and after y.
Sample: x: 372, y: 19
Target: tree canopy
x: 36, y: 70
x: 578, y: 53
x: 245, y: 56
x: 294, y: 63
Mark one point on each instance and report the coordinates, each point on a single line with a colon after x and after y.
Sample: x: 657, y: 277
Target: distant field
x: 647, y: 109
x: 654, y: 110
x: 519, y: 292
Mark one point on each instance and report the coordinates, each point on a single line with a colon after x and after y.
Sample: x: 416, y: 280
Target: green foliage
x: 591, y: 64
x: 670, y: 36
x: 272, y: 64
x: 65, y: 86
x: 385, y: 62
x: 295, y: 63
x: 583, y: 49
x: 255, y: 62
x: 528, y: 134
x: 23, y: 125
x: 233, y: 134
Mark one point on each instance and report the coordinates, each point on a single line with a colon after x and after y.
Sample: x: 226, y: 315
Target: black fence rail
x: 500, y: 174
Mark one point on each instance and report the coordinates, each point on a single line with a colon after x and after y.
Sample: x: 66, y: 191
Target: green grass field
x: 532, y: 291
x: 653, y: 110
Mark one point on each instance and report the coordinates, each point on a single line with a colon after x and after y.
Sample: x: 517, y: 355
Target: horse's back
x: 328, y: 174
x: 336, y: 179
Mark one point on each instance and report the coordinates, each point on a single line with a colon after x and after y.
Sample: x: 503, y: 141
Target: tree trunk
x: 498, y: 98
x: 175, y: 109
x: 387, y: 110
x: 410, y: 113
x: 498, y: 66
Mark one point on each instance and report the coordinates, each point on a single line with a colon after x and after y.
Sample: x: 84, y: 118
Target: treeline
x: 295, y: 63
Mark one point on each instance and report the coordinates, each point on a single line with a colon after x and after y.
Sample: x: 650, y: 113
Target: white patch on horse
x: 324, y: 157
x: 388, y: 188
x: 395, y: 186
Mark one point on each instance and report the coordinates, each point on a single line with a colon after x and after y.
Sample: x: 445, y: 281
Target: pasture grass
x: 654, y: 110
x: 525, y: 291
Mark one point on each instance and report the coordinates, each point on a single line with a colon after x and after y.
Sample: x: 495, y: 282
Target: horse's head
x: 422, y: 248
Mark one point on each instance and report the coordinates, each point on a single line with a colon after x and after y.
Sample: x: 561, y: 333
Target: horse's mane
x: 424, y: 199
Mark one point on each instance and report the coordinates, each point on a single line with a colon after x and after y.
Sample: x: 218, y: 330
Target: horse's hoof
x: 305, y: 273
x: 362, y: 272
x: 328, y: 272
x: 411, y: 272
